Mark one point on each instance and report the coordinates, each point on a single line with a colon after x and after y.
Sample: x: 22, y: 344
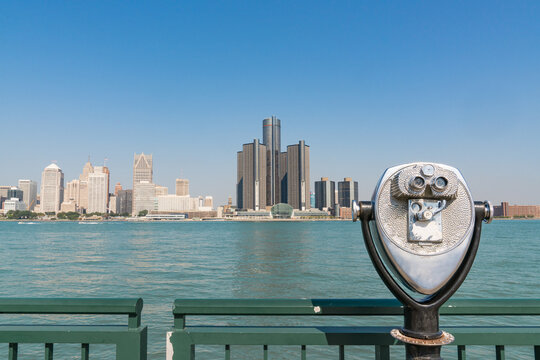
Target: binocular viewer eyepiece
x: 421, y: 230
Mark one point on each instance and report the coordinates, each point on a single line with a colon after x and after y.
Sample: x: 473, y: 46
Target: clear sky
x: 367, y: 84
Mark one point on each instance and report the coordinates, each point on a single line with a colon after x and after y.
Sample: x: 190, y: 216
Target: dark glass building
x: 124, y: 202
x: 251, y: 176
x: 325, y: 194
x: 298, y: 176
x: 272, y: 141
x: 347, y: 192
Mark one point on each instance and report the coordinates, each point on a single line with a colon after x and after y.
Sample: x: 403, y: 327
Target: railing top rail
x: 94, y: 306
x: 365, y: 307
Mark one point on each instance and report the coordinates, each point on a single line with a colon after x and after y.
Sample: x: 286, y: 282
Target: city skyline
x: 188, y: 83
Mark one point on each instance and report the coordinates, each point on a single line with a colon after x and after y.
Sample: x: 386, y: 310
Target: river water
x: 161, y: 262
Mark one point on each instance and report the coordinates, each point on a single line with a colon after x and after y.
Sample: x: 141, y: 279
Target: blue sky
x: 367, y: 84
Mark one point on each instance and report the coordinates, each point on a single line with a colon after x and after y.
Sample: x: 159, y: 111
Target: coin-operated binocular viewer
x: 422, y: 230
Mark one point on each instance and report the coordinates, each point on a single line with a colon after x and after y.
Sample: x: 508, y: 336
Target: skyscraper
x: 283, y: 176
x: 142, y: 171
x: 325, y: 194
x: 251, y: 176
x: 83, y: 186
x: 15, y: 193
x: 29, y: 189
x: 117, y: 188
x: 87, y: 169
x: 298, y: 183
x: 72, y: 192
x: 3, y: 194
x: 52, y: 189
x: 97, y: 192
x: 144, y: 197
x: 124, y: 202
x: 272, y: 140
x: 142, y: 168
x: 182, y: 187
x: 161, y: 190
x: 347, y: 192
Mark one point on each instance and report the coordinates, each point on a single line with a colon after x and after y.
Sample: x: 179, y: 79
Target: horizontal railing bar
x: 352, y: 335
x: 70, y: 306
x: 365, y: 307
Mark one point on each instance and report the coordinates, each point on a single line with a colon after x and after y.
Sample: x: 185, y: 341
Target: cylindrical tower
x: 272, y: 140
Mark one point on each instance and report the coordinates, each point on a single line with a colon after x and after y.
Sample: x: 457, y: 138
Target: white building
x: 113, y: 201
x: 162, y: 190
x: 144, y: 197
x: 72, y: 191
x: 182, y: 187
x: 142, y: 183
x: 209, y: 202
x: 98, y: 192
x: 175, y: 203
x: 52, y: 189
x: 29, y: 189
x: 14, y: 204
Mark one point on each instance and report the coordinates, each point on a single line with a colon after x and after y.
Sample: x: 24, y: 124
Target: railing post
x: 462, y: 355
x: 134, y: 321
x: 179, y: 321
x: 499, y: 352
x: 13, y: 351
x: 382, y: 352
x: 49, y: 351
x: 85, y: 351
x: 133, y: 347
x: 183, y: 349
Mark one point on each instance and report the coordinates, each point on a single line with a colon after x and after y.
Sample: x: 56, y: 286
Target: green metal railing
x: 184, y: 338
x: 130, y: 339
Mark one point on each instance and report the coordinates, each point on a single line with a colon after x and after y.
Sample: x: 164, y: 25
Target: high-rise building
x: 98, y: 191
x: 113, y: 202
x: 15, y: 192
x: 182, y: 187
x: 347, y: 192
x: 283, y: 176
x: 162, y: 190
x: 117, y: 188
x: 52, y: 189
x: 105, y: 170
x: 143, y: 172
x: 142, y: 168
x: 272, y: 140
x: 87, y: 169
x: 29, y: 189
x: 239, y: 180
x: 325, y: 194
x: 298, y: 183
x: 72, y: 191
x: 124, y: 202
x: 208, y: 201
x: 82, y: 202
x: 3, y: 194
x: 251, y: 176
x: 144, y: 197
